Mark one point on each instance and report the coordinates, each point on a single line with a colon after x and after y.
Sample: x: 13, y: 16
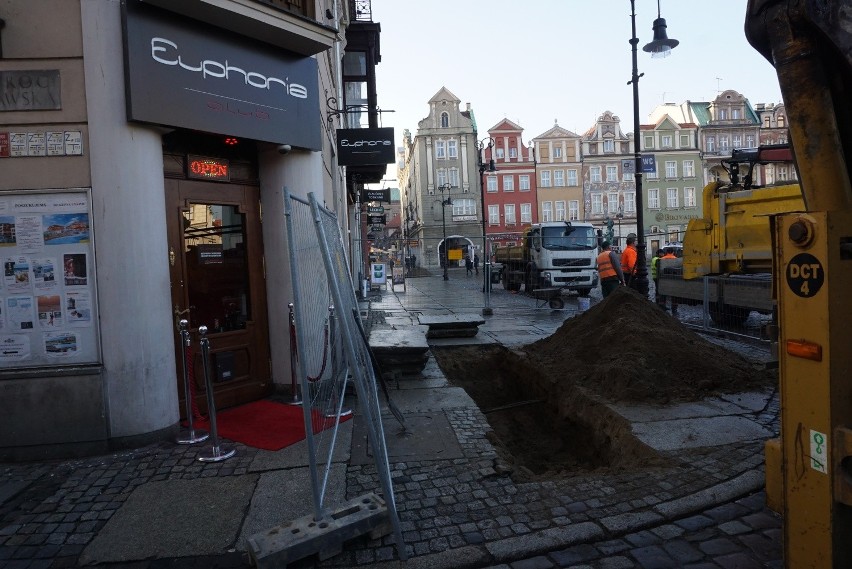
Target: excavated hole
x: 541, y: 430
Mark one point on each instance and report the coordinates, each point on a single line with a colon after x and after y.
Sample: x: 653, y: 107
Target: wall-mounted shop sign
x: 364, y: 146
x: 375, y: 195
x: 661, y: 217
x: 37, y: 90
x: 187, y: 74
x: 59, y: 143
x: 203, y: 168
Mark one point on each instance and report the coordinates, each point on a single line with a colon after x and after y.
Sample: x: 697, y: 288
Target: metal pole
x: 486, y: 266
x: 215, y: 452
x: 190, y: 435
x: 641, y: 264
x: 444, y: 225
x: 294, y: 353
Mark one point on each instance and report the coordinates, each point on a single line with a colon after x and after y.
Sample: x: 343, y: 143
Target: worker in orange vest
x: 669, y: 254
x: 609, y: 270
x: 628, y: 261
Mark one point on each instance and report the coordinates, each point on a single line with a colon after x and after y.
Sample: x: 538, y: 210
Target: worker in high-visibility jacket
x: 628, y: 261
x: 609, y: 270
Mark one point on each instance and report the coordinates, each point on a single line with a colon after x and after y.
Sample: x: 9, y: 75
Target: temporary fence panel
x: 329, y: 348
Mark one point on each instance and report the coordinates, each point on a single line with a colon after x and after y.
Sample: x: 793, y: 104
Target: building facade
x: 559, y: 171
x: 144, y: 154
x: 439, y: 185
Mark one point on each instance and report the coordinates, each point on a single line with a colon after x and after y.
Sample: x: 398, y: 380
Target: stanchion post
x: 215, y: 452
x: 339, y: 410
x: 190, y: 435
x: 294, y: 353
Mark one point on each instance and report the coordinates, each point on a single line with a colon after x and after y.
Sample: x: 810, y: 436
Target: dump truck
x: 732, y: 241
x: 554, y: 254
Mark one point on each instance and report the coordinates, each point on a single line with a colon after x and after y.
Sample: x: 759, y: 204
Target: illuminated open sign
x: 202, y: 168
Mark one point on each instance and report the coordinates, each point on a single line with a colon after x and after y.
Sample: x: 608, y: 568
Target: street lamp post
x: 486, y: 254
x: 444, y: 203
x: 619, y: 216
x: 660, y: 46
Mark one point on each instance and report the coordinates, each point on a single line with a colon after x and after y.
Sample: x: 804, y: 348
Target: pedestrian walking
x: 468, y: 264
x: 655, y: 276
x: 669, y: 254
x: 628, y: 261
x: 609, y: 269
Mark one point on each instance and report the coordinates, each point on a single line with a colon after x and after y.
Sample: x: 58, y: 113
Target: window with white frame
x: 441, y: 176
x: 440, y: 149
x: 684, y: 141
x: 653, y: 198
x: 723, y: 143
x: 711, y: 144
x: 612, y: 202
x: 454, y: 177
x: 491, y: 183
x: 674, y: 233
x: 560, y: 210
x: 453, y: 148
x: 671, y: 169
x: 770, y: 175
x: 738, y: 141
x: 557, y: 152
x: 627, y: 176
x: 445, y: 120
x: 649, y: 142
x: 524, y: 182
x: 509, y: 214
x: 595, y: 173
x: 493, y: 215
x: 513, y: 152
x: 609, y: 145
x: 508, y: 183
x: 689, y: 197
x: 723, y: 114
x: 629, y: 202
x: 667, y: 141
x: 783, y: 173
x: 526, y: 213
x: 597, y: 203
x: 464, y: 206
x: 750, y: 141
x: 547, y: 211
x: 612, y: 173
x: 688, y: 168
x: 735, y: 113
x: 572, y: 177
x: 573, y: 210
x: 671, y: 198
x: 545, y: 178
x: 559, y: 178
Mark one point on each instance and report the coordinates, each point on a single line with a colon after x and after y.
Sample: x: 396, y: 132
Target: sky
x: 540, y: 61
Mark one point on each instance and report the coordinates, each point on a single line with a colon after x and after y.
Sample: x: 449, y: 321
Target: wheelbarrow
x: 549, y: 296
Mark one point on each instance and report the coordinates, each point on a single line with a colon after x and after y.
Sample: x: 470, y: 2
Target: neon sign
x: 202, y: 168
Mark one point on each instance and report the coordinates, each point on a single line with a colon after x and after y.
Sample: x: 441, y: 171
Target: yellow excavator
x: 809, y: 469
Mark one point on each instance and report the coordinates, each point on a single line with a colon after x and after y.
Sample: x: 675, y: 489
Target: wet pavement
x: 158, y: 506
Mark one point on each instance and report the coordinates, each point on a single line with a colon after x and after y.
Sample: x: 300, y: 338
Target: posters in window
x: 19, y: 313
x: 78, y: 311
x: 14, y: 347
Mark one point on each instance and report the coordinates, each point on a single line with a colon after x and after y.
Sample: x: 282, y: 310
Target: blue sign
x: 649, y: 164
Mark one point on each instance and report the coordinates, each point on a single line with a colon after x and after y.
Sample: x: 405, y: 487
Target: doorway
x: 217, y: 280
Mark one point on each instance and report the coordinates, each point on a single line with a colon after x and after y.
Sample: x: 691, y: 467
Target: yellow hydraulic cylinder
x: 814, y: 272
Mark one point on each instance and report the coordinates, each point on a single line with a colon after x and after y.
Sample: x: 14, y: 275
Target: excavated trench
x: 546, y: 402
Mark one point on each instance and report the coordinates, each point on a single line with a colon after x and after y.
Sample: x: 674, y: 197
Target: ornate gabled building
x: 773, y: 130
x: 509, y: 192
x: 609, y: 193
x: 672, y: 191
x: 439, y: 184
x: 559, y: 174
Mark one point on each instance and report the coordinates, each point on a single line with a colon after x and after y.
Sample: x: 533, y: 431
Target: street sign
x: 628, y: 166
x: 649, y: 164
x: 375, y: 209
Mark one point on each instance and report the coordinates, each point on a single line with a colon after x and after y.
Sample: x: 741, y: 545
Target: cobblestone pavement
x: 704, y: 508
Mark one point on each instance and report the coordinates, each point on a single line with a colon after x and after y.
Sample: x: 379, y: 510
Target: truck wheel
x: 531, y: 282
x: 724, y: 315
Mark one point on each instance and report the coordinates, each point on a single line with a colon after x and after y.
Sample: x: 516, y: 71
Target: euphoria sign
x: 805, y: 275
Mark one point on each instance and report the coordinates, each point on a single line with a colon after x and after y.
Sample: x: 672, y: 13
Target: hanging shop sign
x: 203, y: 168
x: 377, y: 228
x: 187, y: 74
x: 365, y: 146
x: 374, y: 219
x: 375, y: 195
x: 375, y: 209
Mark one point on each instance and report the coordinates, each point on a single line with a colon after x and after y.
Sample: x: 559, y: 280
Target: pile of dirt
x: 627, y: 349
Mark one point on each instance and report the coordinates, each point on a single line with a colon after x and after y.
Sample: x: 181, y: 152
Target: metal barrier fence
x: 735, y: 305
x: 330, y: 350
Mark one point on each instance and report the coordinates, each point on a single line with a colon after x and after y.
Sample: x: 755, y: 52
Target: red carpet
x: 266, y: 424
